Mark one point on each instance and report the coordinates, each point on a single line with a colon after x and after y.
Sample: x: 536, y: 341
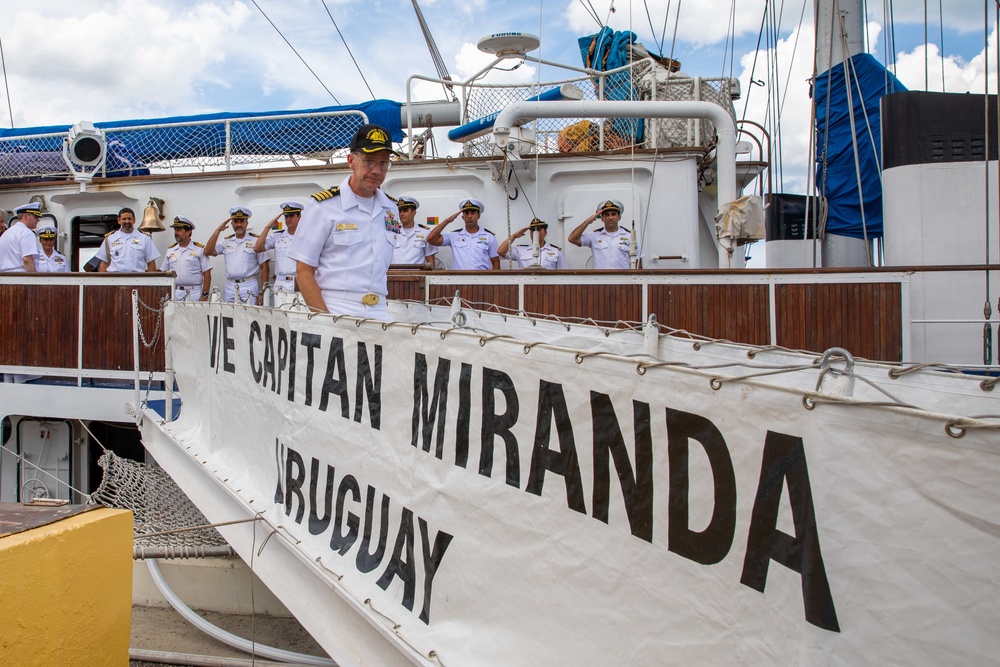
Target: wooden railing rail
x: 79, y: 325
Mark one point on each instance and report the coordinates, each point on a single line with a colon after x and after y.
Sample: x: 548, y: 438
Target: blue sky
x: 120, y: 59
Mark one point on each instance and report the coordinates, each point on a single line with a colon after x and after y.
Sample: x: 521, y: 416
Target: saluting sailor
x: 345, y: 241
x: 610, y: 244
x: 127, y: 250
x: 18, y: 246
x: 49, y: 259
x: 473, y: 248
x: 549, y: 256
x: 280, y: 241
x: 413, y: 246
x: 244, y: 273
x: 187, y: 259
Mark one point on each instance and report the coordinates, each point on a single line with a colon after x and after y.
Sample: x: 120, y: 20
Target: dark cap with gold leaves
x: 371, y: 139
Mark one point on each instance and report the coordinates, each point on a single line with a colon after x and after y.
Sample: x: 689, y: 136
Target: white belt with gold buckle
x: 370, y: 299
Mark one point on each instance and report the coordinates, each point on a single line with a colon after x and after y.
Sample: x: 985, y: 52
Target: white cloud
x: 920, y: 69
x: 125, y: 59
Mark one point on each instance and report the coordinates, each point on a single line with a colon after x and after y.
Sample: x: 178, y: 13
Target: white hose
x: 229, y: 638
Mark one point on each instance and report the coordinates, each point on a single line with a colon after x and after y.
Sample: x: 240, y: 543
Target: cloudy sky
x: 119, y: 59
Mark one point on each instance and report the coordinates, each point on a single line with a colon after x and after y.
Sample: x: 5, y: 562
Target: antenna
x: 432, y: 47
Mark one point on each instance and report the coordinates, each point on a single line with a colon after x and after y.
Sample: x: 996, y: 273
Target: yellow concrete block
x: 66, y: 592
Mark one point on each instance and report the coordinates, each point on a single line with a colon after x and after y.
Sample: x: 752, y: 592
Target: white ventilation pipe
x: 724, y: 126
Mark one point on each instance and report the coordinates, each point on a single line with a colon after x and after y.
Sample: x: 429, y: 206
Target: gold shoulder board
x: 323, y: 195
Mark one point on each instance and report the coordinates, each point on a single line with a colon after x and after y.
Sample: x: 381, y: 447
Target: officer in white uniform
x: 347, y: 235
x: 279, y: 241
x: 127, y: 250
x: 244, y: 273
x: 413, y: 247
x: 187, y: 259
x: 610, y: 244
x: 473, y: 248
x: 549, y: 256
x: 49, y: 259
x: 18, y: 245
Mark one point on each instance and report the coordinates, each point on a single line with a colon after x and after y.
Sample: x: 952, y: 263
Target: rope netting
x: 645, y: 79
x: 166, y: 523
x: 208, y: 145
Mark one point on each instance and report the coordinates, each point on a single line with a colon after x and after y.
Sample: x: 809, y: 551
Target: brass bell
x: 152, y: 217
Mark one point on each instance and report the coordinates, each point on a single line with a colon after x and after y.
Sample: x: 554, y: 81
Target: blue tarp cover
x: 278, y: 137
x: 840, y: 183
x: 610, y: 51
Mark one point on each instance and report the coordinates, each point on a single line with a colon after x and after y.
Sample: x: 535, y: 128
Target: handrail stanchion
x: 168, y: 380
x: 80, y: 324
x: 135, y: 349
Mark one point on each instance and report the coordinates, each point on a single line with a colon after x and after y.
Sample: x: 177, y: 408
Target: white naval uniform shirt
x: 130, y: 253
x: 413, y: 247
x: 350, y: 241
x: 549, y: 256
x: 241, y: 261
x: 57, y: 263
x: 610, y: 249
x: 188, y: 263
x: 471, y: 252
x: 17, y: 243
x: 284, y: 267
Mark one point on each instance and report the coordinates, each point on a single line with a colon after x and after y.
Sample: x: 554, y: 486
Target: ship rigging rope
x: 316, y: 76
x: 854, y: 133
x: 955, y: 426
x: 349, y: 52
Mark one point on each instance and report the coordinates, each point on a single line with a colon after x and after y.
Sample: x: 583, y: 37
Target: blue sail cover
x: 608, y: 50
x: 277, y: 137
x: 839, y: 185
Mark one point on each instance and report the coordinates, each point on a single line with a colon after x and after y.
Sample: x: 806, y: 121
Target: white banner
x: 513, y: 506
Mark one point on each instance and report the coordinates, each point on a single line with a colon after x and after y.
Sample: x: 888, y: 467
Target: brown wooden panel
x: 734, y: 312
x: 863, y: 318
x: 107, y: 336
x: 504, y: 296
x: 603, y: 303
x: 405, y: 287
x: 38, y: 325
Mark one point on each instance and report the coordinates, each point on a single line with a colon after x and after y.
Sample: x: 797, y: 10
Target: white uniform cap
x: 471, y: 205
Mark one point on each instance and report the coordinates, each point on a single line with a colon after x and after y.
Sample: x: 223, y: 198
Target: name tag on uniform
x: 342, y: 226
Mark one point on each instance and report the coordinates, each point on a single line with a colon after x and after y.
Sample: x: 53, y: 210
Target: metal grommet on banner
x: 954, y: 430
x: 808, y: 403
x: 716, y: 383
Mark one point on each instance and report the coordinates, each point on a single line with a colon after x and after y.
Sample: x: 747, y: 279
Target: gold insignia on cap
x: 377, y: 135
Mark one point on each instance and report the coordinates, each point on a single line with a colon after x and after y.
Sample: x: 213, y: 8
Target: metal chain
x: 159, y: 321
